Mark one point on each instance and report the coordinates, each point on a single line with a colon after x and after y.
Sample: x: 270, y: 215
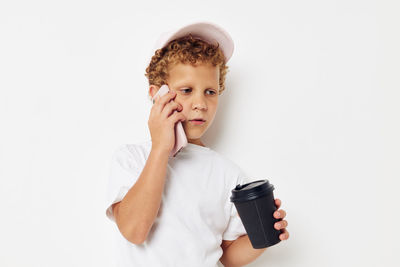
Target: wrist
x: 159, y: 152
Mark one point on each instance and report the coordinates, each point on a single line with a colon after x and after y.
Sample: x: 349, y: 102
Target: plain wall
x: 312, y: 104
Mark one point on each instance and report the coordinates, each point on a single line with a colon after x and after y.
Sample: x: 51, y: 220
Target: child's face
x: 196, y: 90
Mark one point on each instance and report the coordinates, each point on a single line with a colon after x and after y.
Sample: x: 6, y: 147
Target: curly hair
x: 186, y: 50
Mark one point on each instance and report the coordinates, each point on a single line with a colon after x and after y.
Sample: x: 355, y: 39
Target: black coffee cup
x: 255, y: 204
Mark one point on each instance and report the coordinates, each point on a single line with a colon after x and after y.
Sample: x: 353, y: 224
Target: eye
x: 185, y: 89
x: 212, y: 91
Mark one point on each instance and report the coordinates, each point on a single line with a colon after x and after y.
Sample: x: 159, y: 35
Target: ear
x: 153, y: 90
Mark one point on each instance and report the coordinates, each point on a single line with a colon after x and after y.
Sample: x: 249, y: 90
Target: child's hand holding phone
x: 165, y: 122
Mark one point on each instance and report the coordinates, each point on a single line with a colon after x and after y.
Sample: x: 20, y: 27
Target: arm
x: 136, y: 213
x: 239, y: 252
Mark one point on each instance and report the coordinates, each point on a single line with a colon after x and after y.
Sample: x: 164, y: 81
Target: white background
x: 312, y: 104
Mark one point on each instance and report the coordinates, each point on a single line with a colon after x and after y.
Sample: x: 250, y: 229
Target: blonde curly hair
x: 186, y: 50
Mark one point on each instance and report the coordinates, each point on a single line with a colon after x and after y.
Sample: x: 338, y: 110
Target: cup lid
x: 251, y: 190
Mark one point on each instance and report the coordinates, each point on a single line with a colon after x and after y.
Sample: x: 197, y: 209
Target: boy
x: 176, y: 211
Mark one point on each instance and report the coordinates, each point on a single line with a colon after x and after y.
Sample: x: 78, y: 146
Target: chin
x: 194, y: 133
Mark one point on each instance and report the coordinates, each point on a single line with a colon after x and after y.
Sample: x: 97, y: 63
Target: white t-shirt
x: 195, y: 213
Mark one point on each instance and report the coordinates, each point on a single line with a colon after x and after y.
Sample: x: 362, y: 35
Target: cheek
x: 213, y: 108
x: 184, y: 110
x: 185, y: 107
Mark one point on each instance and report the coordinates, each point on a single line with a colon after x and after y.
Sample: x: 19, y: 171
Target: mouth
x: 197, y: 121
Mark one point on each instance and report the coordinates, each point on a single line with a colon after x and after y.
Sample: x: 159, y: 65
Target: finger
x: 161, y: 101
x: 279, y: 214
x: 284, y: 235
x: 170, y: 107
x: 278, y: 203
x: 168, y: 96
x: 280, y: 225
x: 175, y: 117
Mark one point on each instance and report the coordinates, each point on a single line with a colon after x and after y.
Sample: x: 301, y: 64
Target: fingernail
x: 278, y: 214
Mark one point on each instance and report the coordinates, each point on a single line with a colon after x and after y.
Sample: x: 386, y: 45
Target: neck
x: 196, y: 142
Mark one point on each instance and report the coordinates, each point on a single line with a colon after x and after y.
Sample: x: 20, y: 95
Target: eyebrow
x: 187, y: 86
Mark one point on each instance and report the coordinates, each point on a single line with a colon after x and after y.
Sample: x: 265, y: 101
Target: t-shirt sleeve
x: 235, y: 226
x: 124, y: 171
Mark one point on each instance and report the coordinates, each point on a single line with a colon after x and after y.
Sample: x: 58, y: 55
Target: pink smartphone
x: 180, y: 136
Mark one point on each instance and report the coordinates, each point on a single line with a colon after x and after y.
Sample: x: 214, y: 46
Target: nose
x: 199, y: 102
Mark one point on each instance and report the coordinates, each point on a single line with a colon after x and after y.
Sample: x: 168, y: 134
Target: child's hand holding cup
x: 257, y: 208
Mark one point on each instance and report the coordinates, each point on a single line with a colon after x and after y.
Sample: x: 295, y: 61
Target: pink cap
x: 206, y: 31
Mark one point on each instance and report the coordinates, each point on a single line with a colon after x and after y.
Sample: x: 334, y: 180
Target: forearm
x: 240, y: 253
x: 139, y: 207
